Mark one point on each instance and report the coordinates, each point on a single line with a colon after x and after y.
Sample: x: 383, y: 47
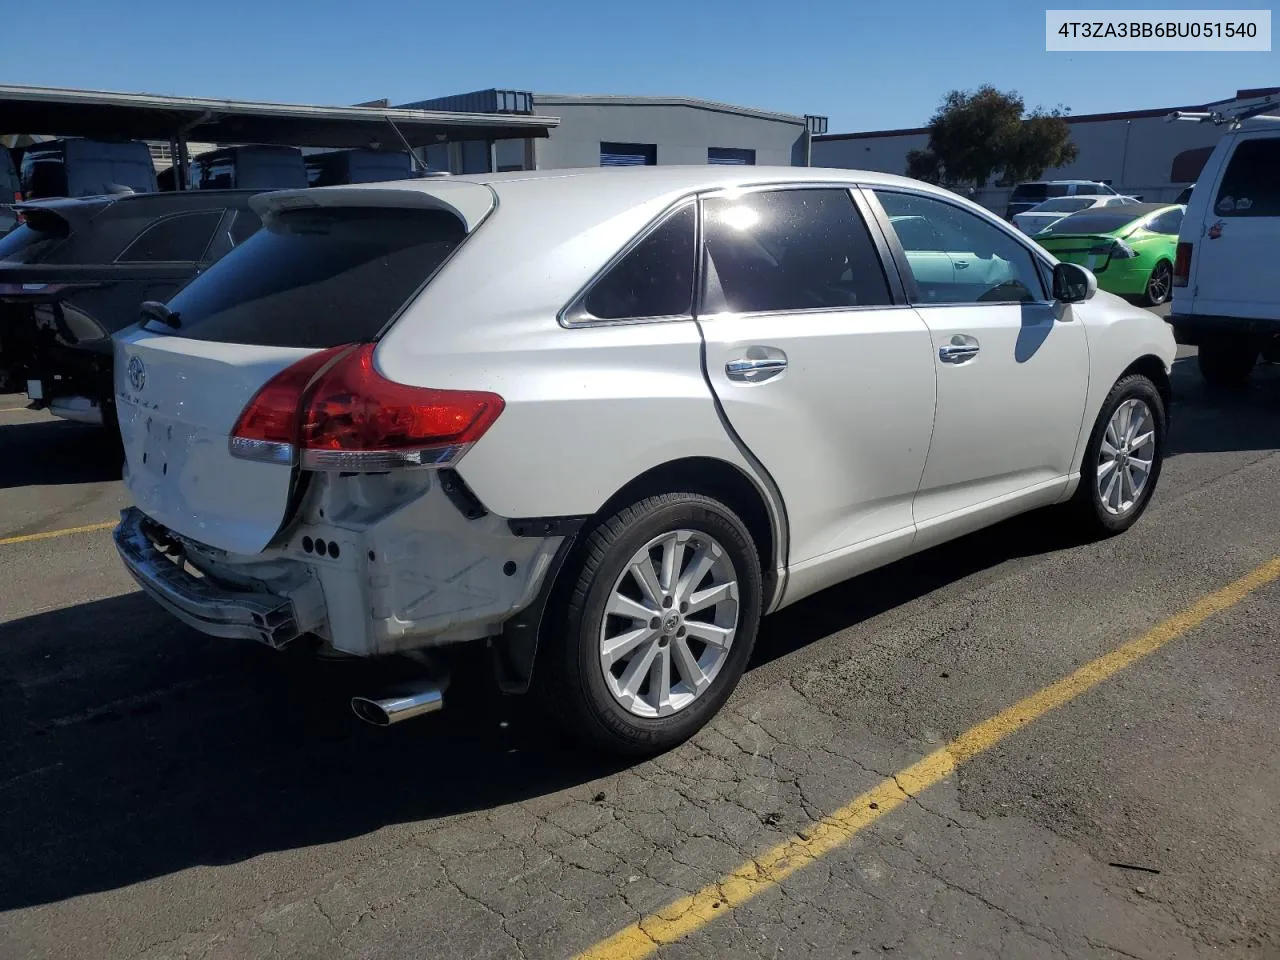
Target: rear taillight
x: 334, y: 411
x: 1182, y: 265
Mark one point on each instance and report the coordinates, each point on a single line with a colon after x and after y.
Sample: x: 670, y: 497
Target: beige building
x: 1137, y: 152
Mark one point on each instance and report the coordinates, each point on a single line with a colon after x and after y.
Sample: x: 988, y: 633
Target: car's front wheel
x: 1123, y: 459
x: 1159, y: 285
x: 657, y: 623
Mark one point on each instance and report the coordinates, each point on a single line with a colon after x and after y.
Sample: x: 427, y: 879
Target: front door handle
x: 961, y: 352
x: 960, y: 264
x: 754, y: 370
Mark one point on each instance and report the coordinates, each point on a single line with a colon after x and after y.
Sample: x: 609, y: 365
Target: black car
x: 10, y: 191
x: 78, y: 270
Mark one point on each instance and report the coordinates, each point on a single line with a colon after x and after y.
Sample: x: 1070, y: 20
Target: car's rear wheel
x: 1159, y: 285
x: 1123, y: 459
x: 657, y: 623
x: 1227, y: 362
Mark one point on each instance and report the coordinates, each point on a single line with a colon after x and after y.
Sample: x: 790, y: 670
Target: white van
x: 1226, y: 295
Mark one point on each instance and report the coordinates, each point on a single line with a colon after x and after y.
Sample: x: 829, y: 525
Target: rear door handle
x: 961, y: 264
x: 754, y: 370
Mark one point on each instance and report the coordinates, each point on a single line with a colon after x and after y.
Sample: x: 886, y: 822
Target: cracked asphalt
x: 165, y: 795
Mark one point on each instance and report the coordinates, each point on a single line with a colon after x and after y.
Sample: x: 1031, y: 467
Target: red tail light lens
x: 334, y: 411
x: 1182, y: 265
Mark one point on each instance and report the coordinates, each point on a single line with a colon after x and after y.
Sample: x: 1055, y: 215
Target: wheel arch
x: 516, y: 649
x: 730, y: 485
x: 1152, y: 367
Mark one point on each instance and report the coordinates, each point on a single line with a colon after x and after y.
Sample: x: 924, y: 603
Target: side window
x: 246, y: 224
x: 1251, y: 184
x: 980, y: 263
x: 791, y: 250
x: 655, y: 279
x: 178, y: 238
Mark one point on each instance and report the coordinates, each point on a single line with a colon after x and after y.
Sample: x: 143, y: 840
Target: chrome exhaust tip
x: 399, y: 705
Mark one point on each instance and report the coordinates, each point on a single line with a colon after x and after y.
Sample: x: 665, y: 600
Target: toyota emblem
x: 137, y: 373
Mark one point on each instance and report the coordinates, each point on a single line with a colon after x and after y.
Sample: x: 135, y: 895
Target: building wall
x: 681, y: 133
x: 1135, y: 152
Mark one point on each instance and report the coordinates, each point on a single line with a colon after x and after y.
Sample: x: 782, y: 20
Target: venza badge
x: 137, y: 373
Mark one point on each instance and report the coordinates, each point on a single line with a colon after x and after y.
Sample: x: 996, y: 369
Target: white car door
x: 1234, y: 255
x: 822, y: 370
x: 1012, y: 369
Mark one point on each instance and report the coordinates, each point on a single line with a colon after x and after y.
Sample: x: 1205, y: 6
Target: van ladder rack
x: 1232, y: 117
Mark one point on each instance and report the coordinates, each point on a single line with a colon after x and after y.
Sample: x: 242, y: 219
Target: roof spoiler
x: 469, y: 201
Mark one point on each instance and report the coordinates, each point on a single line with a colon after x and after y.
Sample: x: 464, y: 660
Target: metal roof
x: 143, y: 116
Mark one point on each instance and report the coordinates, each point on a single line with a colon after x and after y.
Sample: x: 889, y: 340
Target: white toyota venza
x: 604, y: 420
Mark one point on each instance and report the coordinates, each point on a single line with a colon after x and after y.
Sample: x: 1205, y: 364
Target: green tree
x: 975, y: 137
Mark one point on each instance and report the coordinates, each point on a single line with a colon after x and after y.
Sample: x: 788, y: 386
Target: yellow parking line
x: 12, y: 409
x: 49, y: 534
x: 689, y: 914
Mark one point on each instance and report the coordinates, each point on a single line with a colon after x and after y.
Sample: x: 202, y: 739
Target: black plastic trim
x: 516, y: 648
x: 546, y: 526
x: 460, y: 495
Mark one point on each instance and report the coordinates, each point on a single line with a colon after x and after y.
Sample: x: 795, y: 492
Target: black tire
x: 1095, y: 519
x: 1159, y: 284
x: 569, y: 680
x: 1227, y: 362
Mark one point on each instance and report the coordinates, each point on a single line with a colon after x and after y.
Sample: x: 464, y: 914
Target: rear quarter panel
x: 588, y: 408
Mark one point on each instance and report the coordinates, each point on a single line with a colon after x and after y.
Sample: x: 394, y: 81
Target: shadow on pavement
x: 133, y: 747
x: 57, y: 452
x: 1208, y: 420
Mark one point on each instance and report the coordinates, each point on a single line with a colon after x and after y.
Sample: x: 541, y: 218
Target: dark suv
x: 78, y: 270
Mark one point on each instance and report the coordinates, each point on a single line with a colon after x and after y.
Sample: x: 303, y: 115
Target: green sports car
x: 1129, y: 248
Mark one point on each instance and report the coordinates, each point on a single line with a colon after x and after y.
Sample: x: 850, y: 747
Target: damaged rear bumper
x: 199, y: 601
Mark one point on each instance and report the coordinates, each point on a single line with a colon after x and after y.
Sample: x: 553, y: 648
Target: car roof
x: 594, y: 194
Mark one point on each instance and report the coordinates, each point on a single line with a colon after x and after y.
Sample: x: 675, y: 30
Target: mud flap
x: 515, y: 649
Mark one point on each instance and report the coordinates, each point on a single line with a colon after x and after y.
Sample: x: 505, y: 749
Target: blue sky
x: 865, y: 65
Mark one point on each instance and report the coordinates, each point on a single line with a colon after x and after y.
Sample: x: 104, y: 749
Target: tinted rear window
x: 317, y: 278
x: 1100, y: 220
x: 33, y: 241
x: 1030, y: 191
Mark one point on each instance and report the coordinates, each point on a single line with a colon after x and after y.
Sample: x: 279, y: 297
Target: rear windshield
x: 33, y: 241
x: 1064, y: 205
x: 316, y: 278
x: 1038, y: 191
x: 1101, y: 220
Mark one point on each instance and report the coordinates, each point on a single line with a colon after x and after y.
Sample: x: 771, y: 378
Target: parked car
x: 1032, y: 192
x: 611, y: 429
x: 10, y: 191
x: 1043, y: 215
x: 262, y: 167
x: 1226, y: 300
x: 79, y: 167
x: 335, y: 167
x: 78, y: 270
x: 1129, y: 248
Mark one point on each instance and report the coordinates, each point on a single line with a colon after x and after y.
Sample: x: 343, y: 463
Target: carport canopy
x: 142, y: 116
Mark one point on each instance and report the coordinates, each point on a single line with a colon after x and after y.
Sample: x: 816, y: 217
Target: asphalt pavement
x: 166, y: 795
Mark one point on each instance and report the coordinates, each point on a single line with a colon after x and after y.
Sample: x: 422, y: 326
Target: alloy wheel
x: 1160, y: 284
x: 669, y: 623
x: 1125, y: 456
